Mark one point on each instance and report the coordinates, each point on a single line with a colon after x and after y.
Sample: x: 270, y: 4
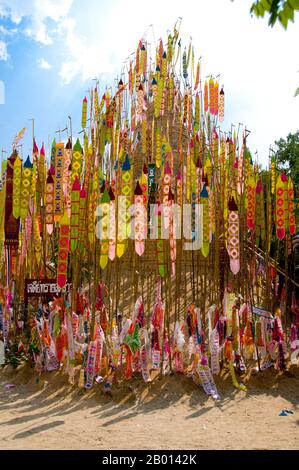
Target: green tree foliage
x: 281, y: 10
x: 287, y: 157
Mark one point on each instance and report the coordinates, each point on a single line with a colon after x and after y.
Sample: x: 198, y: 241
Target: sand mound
x: 170, y: 412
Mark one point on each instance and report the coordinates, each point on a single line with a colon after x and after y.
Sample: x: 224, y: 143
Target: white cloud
x: 257, y: 63
x: 83, y: 58
x: 44, y: 64
x: 7, y: 32
x: 38, y: 13
x: 3, y: 51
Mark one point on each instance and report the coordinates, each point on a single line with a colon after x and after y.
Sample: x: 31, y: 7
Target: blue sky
x: 50, y: 50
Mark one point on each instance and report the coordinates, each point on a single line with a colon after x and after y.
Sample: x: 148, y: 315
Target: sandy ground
x: 170, y: 413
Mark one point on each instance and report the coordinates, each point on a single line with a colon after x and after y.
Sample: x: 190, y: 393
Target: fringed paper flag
x: 131, y: 78
x: 233, y: 242
x: 166, y: 185
x: 170, y: 94
x: 143, y: 136
x: 88, y: 165
x: 115, y: 346
x: 96, y: 104
x: 206, y: 97
x: 93, y: 136
x: 53, y: 154
x: 145, y: 352
x: 211, y: 94
x: 75, y: 209
x: 139, y: 220
x: 273, y: 176
x: 112, y: 226
x: 35, y: 152
x: 64, y: 246
x: 228, y: 304
x: 17, y: 178
x: 84, y: 113
x: 92, y: 202
x: 216, y: 98
x: 280, y: 207
x: 66, y: 183
x: 250, y: 203
x: 208, y: 170
x: 214, y: 340
x: 159, y: 53
x: 206, y: 379
x: 159, y: 97
x: 151, y: 177
x: 172, y: 231
x: 110, y: 119
x: 186, y: 106
x: 77, y: 161
x: 260, y: 212
x: 37, y: 241
x: 104, y: 228
x: 82, y: 221
x: 158, y: 147
x: 185, y: 68
x: 41, y: 173
x: 269, y: 214
x: 25, y: 188
x: 204, y: 200
x: 58, y: 181
x: 292, y: 221
x: 33, y: 187
x: 194, y: 193
x: 121, y: 88
x: 170, y: 48
x: 221, y: 105
x: 227, y: 192
x: 157, y: 321
x: 143, y: 181
x: 197, y: 113
x: 36, y: 187
x: 50, y: 202
x: 164, y: 66
x: 248, y: 340
x: 286, y: 202
x: 179, y: 188
x: 188, y: 178
x: 215, y: 154
x: 236, y: 332
x: 197, y: 76
x: 160, y: 244
x: 155, y: 93
x: 149, y: 141
x: 212, y: 211
x: 241, y: 170
x: 222, y: 172
x: 123, y: 229
x: 137, y: 66
x: 90, y: 365
x: 140, y: 105
x: 18, y: 137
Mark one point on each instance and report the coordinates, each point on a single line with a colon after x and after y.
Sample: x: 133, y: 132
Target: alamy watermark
x: 164, y: 222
